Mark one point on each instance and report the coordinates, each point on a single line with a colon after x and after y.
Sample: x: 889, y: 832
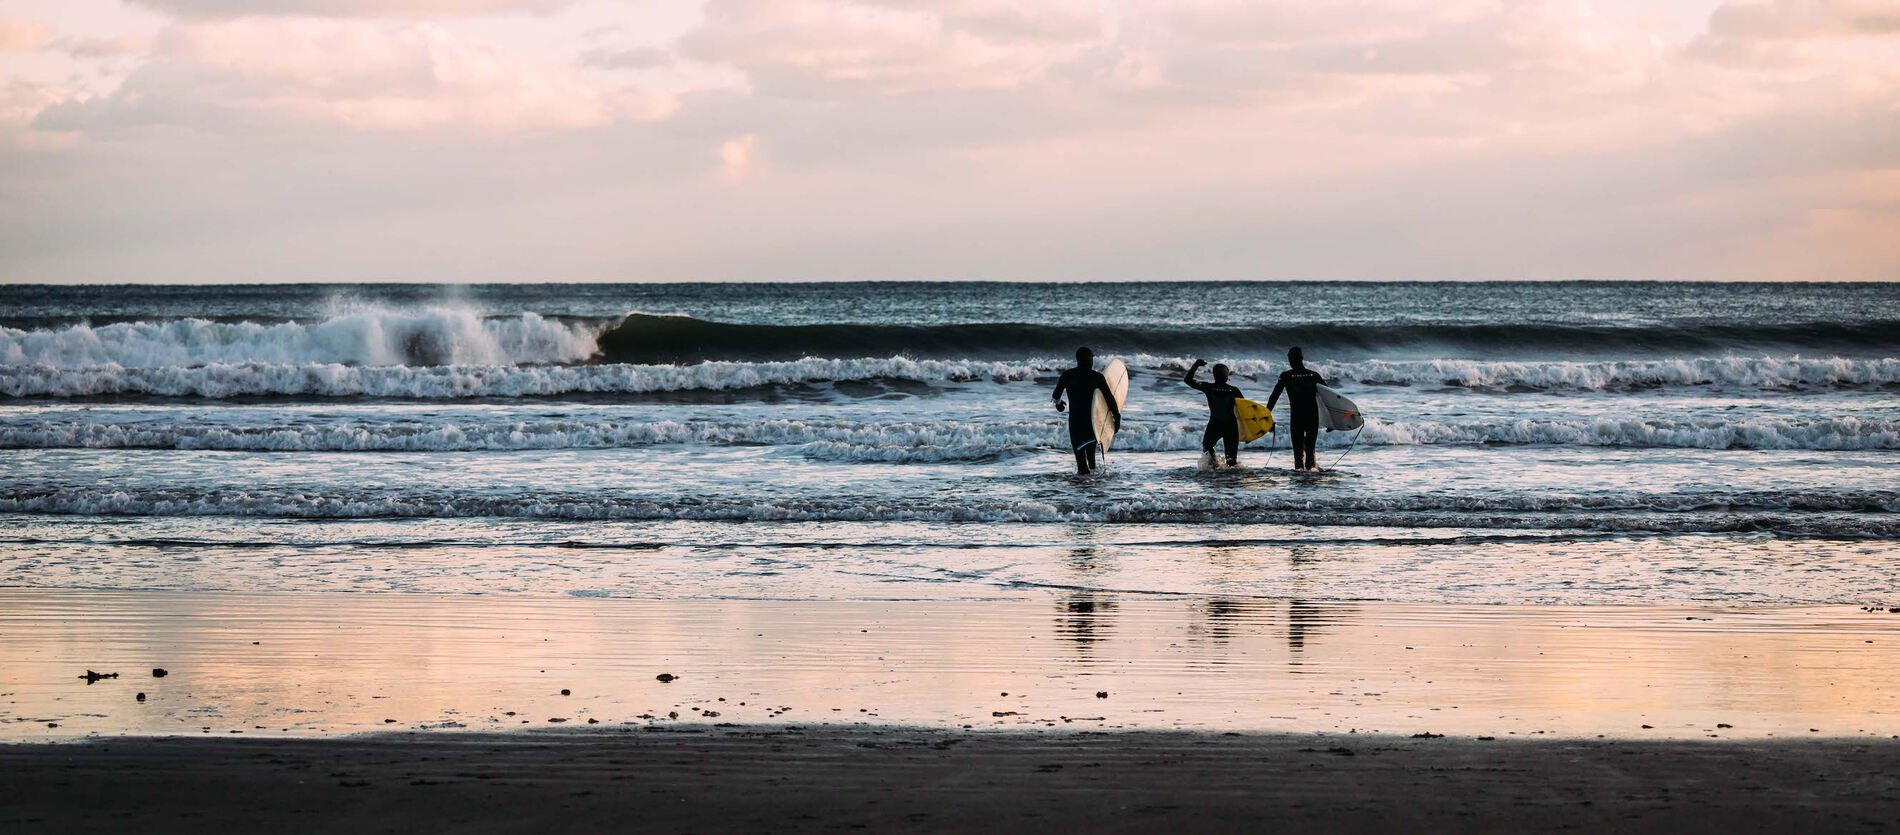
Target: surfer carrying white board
x: 1301, y: 385
x: 1222, y: 425
x: 1080, y: 384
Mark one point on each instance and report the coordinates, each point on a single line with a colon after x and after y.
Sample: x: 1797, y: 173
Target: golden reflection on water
x: 317, y: 664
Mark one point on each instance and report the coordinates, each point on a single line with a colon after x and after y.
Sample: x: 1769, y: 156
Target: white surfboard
x: 1117, y: 375
x: 1336, y: 411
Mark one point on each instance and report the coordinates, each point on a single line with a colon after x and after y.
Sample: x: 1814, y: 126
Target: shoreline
x: 748, y: 778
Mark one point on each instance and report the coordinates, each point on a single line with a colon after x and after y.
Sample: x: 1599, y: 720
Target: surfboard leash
x: 1355, y: 442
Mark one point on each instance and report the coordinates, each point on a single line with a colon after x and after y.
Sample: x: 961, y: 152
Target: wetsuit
x: 1081, y: 384
x: 1301, y: 385
x: 1222, y: 426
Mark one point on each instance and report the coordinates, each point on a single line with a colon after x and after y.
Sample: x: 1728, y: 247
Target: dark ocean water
x: 1592, y: 442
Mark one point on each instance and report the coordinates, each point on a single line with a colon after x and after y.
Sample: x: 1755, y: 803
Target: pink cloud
x: 286, y: 72
x: 23, y: 35
x: 410, y: 9
x: 810, y: 47
x: 1805, y: 19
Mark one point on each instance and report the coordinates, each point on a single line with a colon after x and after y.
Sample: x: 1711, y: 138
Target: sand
x: 331, y: 664
x: 825, y: 779
x: 1096, y: 713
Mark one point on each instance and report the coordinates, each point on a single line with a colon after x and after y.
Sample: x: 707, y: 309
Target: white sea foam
x: 1851, y: 513
x: 372, y: 337
x: 1740, y: 372
x: 460, y: 381
x: 73, y: 376
x: 920, y: 441
x: 1734, y: 372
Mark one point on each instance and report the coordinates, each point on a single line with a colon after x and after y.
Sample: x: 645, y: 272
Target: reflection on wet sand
x: 321, y: 664
x: 1085, y: 618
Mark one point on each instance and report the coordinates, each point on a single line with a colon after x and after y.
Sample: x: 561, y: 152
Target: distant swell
x: 642, y: 338
x: 1852, y: 513
x: 924, y: 442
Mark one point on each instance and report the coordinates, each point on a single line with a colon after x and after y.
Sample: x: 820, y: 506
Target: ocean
x: 1550, y: 443
x: 1633, y: 509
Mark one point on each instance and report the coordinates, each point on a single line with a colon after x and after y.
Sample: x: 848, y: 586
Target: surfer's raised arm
x: 1189, y: 376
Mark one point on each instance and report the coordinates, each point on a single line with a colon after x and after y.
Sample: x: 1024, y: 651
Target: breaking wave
x: 375, y: 337
x: 448, y: 335
x: 1849, y: 513
x: 920, y: 441
x: 464, y: 381
x: 336, y: 379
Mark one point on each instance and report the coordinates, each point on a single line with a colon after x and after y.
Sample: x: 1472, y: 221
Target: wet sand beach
x: 328, y: 664
x: 353, y: 713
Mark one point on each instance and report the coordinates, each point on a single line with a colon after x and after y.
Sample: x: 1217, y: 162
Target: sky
x: 794, y: 140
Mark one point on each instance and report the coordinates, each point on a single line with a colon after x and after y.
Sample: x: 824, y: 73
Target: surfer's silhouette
x: 1222, y: 425
x: 1301, y: 385
x: 1080, y: 384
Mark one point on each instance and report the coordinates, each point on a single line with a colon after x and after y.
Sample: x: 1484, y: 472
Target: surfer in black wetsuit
x: 1080, y: 384
x: 1222, y: 425
x: 1301, y: 385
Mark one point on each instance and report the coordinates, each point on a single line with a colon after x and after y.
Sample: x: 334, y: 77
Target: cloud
x: 736, y: 157
x: 23, y: 35
x: 637, y: 58
x: 1805, y: 19
x: 283, y: 73
x: 1009, y: 139
x: 101, y: 48
x: 841, y: 47
x: 409, y: 9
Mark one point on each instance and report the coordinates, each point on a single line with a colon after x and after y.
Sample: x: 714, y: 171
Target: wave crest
x: 224, y: 380
x: 375, y: 337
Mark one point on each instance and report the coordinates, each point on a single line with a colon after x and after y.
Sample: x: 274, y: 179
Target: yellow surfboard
x: 1255, y: 419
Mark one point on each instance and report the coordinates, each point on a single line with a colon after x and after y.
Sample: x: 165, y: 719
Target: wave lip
x: 645, y: 338
x: 375, y: 337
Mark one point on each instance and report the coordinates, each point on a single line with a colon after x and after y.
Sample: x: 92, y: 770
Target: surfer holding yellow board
x: 1223, y: 425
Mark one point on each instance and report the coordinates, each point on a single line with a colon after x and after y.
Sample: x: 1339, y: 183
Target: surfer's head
x: 1220, y: 372
x: 1084, y: 358
x: 1295, y: 357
